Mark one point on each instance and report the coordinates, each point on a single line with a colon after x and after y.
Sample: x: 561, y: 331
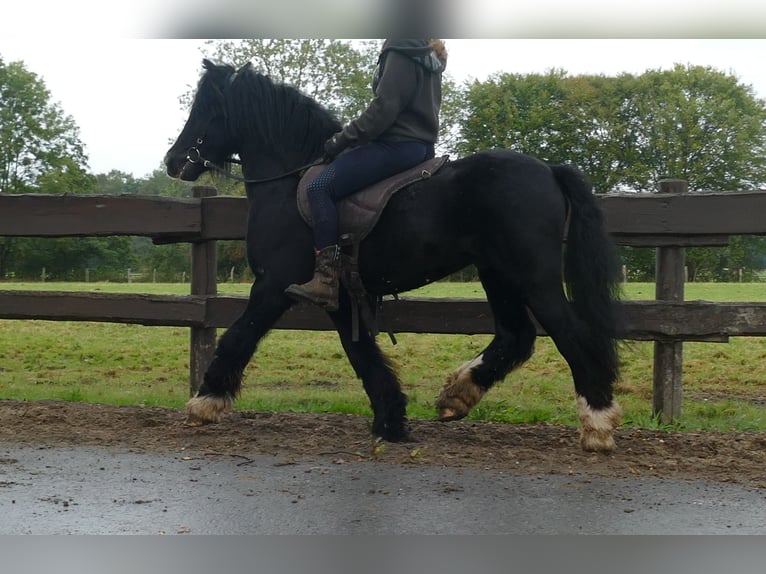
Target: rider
x: 397, y: 131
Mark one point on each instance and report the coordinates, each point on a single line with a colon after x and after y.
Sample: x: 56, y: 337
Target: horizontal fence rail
x: 669, y: 221
x: 644, y: 219
x: 702, y: 321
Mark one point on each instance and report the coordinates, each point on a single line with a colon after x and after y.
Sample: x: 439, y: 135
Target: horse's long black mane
x: 276, y: 116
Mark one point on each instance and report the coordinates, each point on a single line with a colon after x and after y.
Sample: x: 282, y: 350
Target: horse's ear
x: 207, y: 64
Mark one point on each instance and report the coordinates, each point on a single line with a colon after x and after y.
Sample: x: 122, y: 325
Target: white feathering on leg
x: 597, y: 426
x: 460, y: 393
x: 207, y: 409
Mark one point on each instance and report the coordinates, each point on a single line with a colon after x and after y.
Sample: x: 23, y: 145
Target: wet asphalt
x: 90, y: 490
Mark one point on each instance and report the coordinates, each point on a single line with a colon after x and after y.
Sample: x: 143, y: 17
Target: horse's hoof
x: 597, y: 426
x: 403, y: 437
x: 393, y: 432
x: 447, y: 414
x: 201, y: 410
x: 194, y: 421
x: 457, y: 398
x: 591, y: 442
x: 460, y: 393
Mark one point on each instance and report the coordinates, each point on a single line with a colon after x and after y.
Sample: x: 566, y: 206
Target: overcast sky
x: 123, y: 92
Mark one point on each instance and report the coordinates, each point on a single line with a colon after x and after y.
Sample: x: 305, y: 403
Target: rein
x: 194, y: 157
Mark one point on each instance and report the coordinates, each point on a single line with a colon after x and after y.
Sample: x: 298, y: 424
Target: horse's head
x: 203, y: 140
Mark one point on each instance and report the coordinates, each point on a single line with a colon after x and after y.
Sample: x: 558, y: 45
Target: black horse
x: 504, y: 212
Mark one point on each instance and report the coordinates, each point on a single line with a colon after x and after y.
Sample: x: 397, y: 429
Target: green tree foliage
x: 36, y: 137
x: 40, y: 152
x: 513, y: 112
x: 626, y: 132
x: 67, y: 258
x: 584, y: 120
x: 701, y: 125
x: 68, y: 177
x: 451, y: 116
x: 117, y: 182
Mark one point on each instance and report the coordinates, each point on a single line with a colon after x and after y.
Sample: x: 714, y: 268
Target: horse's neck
x: 259, y: 165
x: 281, y: 192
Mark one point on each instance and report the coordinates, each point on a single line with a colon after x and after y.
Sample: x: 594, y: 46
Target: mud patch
x: 519, y: 449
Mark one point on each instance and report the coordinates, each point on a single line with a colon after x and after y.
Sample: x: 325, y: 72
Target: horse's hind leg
x: 592, y: 372
x: 511, y: 346
x: 388, y: 402
x: 223, y: 379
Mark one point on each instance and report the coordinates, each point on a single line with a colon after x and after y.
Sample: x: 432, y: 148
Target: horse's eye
x: 199, y: 141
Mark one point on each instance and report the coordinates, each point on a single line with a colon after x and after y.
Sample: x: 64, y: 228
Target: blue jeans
x: 352, y: 171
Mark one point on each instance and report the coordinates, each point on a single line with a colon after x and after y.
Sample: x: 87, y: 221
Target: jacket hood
x: 421, y: 51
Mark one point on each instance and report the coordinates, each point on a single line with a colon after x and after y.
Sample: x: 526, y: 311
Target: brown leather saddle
x: 357, y: 216
x: 359, y: 212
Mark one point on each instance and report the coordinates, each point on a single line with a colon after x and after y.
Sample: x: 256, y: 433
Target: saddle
x: 359, y: 212
x: 357, y: 216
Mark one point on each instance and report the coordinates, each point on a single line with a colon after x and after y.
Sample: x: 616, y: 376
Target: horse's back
x: 502, y: 183
x: 495, y: 203
x: 506, y: 166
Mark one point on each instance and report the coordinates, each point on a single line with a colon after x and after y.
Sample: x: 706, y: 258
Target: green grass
x: 735, y: 292
x: 724, y: 384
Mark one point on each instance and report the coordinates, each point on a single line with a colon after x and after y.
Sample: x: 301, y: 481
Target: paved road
x: 86, y: 490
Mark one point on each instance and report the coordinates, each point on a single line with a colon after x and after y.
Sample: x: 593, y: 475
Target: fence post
x: 204, y: 262
x: 668, y: 356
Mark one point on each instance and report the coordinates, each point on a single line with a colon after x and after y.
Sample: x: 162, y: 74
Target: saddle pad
x: 359, y: 212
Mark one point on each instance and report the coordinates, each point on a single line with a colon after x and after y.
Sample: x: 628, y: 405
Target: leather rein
x: 193, y: 156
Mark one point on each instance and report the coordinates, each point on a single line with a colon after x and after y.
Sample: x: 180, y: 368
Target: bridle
x: 194, y: 157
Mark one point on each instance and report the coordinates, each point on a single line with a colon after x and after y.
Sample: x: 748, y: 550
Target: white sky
x: 123, y: 92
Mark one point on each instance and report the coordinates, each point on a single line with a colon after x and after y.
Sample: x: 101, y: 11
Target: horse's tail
x: 591, y: 266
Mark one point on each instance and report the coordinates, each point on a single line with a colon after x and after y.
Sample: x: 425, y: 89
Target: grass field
x: 724, y: 384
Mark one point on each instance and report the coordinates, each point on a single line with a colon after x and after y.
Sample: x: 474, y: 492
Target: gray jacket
x: 408, y: 93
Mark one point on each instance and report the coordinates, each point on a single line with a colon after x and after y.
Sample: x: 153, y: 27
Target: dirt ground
x: 519, y: 449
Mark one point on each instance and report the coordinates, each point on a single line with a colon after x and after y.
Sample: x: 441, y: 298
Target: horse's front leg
x: 223, y: 379
x: 388, y: 402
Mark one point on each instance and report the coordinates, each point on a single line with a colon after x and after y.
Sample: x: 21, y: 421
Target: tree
x: 36, y: 137
x: 40, y: 151
x: 599, y: 117
x: 579, y: 120
x: 117, y: 182
x: 67, y: 258
x: 517, y: 112
x: 701, y: 125
x: 628, y: 132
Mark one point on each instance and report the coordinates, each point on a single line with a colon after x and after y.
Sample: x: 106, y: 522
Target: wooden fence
x: 669, y: 220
